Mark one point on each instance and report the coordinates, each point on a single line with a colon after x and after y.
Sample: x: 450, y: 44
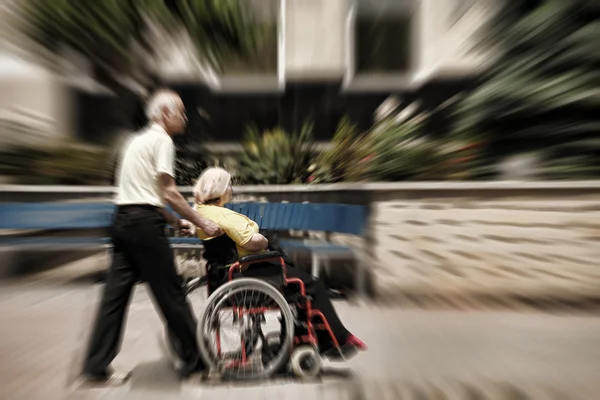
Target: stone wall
x: 509, y: 245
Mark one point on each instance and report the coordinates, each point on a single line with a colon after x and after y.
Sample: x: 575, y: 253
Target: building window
x: 382, y: 44
x: 380, y: 37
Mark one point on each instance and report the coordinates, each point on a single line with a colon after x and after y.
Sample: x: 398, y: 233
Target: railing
x: 357, y: 193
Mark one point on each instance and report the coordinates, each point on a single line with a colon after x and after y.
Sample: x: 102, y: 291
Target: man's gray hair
x: 160, y: 100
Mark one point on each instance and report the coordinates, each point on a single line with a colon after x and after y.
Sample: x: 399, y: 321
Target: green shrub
x: 342, y: 162
x: 399, y: 150
x: 66, y: 163
x: 276, y: 157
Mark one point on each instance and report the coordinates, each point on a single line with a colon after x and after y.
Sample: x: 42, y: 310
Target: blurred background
x: 468, y: 128
x: 475, y: 87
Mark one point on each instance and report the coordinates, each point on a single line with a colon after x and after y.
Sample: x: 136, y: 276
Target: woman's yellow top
x: 235, y: 225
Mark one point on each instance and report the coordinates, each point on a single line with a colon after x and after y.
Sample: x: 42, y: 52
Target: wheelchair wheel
x: 196, y: 293
x: 306, y: 362
x: 234, y: 326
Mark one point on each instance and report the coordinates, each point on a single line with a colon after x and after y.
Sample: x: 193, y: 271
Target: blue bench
x: 315, y: 217
x: 35, y: 222
x: 75, y: 218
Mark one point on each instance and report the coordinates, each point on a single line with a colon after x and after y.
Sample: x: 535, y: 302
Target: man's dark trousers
x: 141, y: 251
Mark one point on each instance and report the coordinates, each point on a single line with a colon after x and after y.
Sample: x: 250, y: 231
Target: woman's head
x: 213, y: 187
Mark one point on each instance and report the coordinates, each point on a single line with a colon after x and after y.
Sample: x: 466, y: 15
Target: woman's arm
x: 242, y: 231
x: 257, y: 243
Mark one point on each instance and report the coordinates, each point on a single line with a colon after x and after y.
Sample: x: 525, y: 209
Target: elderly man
x: 145, y: 184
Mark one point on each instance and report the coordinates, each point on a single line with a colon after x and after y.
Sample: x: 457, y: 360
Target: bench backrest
x: 56, y: 215
x: 340, y: 218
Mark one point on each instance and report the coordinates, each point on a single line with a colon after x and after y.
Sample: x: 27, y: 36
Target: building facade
x: 333, y: 58
x: 340, y: 57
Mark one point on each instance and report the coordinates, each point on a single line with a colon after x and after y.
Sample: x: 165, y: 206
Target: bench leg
x: 327, y: 265
x: 109, y: 255
x: 315, y: 265
x: 361, y: 282
x: 360, y: 276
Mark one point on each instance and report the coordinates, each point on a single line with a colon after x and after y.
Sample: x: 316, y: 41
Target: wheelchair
x: 249, y: 330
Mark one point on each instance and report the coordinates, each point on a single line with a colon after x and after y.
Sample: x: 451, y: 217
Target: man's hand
x: 181, y: 207
x: 186, y: 228
x: 212, y: 229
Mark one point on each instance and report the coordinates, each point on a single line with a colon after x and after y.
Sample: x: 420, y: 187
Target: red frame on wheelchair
x: 311, y: 313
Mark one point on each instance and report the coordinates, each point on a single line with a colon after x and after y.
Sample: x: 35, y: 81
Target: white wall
x: 445, y: 45
x: 314, y: 38
x: 28, y: 92
x: 31, y: 95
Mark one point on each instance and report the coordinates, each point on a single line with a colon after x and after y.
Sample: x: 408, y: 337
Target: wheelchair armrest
x: 269, y: 255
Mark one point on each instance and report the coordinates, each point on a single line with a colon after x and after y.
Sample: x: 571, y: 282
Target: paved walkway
x: 413, y: 354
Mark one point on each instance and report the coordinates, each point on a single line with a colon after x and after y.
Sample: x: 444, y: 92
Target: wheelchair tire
x: 306, y: 362
x: 194, y: 284
x: 220, y: 296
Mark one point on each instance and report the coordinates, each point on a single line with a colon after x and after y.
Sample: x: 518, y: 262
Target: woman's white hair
x: 212, y: 184
x: 159, y: 101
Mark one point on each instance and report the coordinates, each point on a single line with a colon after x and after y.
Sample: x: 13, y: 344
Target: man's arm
x: 181, y: 206
x: 170, y: 218
x: 165, y: 168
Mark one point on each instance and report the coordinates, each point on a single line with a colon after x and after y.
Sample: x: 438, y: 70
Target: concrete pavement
x: 413, y: 354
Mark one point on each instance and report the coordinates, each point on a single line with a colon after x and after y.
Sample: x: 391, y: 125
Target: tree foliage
x: 542, y: 93
x: 116, y: 36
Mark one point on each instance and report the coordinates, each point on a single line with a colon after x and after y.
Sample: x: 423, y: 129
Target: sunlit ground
x: 412, y: 353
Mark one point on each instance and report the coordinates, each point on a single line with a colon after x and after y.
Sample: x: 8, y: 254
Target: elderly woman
x: 242, y: 238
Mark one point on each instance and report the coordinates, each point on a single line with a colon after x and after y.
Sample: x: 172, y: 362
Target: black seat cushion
x: 260, y: 257
x: 268, y: 271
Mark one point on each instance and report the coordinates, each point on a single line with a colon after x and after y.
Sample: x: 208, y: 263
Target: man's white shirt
x: 146, y: 156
